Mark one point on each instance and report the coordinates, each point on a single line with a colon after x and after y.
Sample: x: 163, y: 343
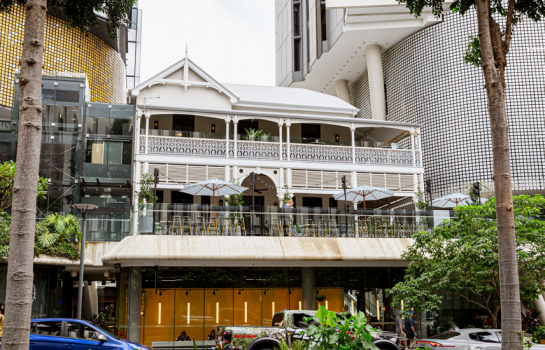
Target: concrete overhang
x: 366, y: 22
x: 233, y: 251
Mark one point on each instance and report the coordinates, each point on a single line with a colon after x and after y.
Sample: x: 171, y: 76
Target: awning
x: 222, y: 251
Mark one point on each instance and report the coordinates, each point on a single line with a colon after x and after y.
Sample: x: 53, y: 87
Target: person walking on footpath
x: 410, y: 329
x: 400, y: 329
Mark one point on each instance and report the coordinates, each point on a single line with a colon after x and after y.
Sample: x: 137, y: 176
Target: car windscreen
x: 445, y: 336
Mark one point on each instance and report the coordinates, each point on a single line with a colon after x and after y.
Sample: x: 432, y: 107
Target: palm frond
x: 47, y: 239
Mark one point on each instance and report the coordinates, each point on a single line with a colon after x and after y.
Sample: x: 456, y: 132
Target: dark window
x: 323, y: 21
x: 180, y: 197
x: 446, y: 335
x: 485, y: 337
x: 206, y: 200
x: 333, y: 203
x: 52, y: 328
x: 181, y: 122
x: 310, y: 131
x: 67, y: 96
x: 160, y: 196
x: 312, y: 202
x: 247, y: 124
x: 48, y: 94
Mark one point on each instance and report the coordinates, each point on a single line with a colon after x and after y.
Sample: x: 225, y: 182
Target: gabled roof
x: 186, y: 64
x: 253, y: 96
x: 274, y: 96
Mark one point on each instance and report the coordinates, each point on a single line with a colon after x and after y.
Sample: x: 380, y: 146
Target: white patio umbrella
x: 364, y: 193
x: 213, y: 187
x: 450, y: 201
x: 468, y: 201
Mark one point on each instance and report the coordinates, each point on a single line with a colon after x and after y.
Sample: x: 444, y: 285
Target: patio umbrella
x: 213, y: 187
x: 364, y: 193
x: 450, y: 201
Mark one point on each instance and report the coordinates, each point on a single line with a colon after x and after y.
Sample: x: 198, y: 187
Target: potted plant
x: 252, y: 134
x: 145, y: 196
x: 264, y: 137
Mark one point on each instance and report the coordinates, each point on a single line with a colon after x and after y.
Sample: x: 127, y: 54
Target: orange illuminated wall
x: 65, y: 50
x: 199, y: 311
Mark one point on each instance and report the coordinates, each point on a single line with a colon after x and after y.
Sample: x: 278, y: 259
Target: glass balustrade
x: 190, y: 219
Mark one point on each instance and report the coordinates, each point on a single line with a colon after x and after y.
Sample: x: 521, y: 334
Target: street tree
x: 80, y: 15
x: 489, y: 49
x: 460, y: 257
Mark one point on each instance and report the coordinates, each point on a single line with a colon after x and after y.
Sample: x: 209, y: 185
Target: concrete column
x: 281, y: 189
x: 307, y: 281
x: 235, y: 173
x: 227, y: 122
x: 376, y: 81
x: 341, y: 86
x: 90, y: 301
x: 419, y: 146
x: 147, y: 132
x: 135, y: 303
x: 227, y: 173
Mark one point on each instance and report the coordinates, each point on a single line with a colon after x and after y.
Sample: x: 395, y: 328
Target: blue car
x: 65, y: 333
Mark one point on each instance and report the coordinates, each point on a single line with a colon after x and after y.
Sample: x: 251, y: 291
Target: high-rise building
x: 396, y: 67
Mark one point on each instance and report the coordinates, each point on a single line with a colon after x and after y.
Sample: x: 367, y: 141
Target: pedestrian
x: 400, y: 329
x: 410, y: 329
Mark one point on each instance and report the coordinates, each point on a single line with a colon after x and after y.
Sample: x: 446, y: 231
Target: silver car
x: 467, y: 339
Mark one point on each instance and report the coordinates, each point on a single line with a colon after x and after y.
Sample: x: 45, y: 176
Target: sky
x: 232, y: 40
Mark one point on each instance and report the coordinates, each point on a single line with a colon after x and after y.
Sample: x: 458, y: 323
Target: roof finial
x: 186, y: 49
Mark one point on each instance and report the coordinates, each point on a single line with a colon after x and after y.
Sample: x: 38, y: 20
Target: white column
x: 356, y: 224
x: 288, y: 124
x: 235, y: 173
x: 137, y: 131
x: 227, y: 173
x: 376, y: 81
x: 136, y: 188
x: 227, y: 122
x: 281, y: 189
x: 341, y: 87
x: 280, y: 124
x: 413, y: 146
x: 354, y: 179
x: 147, y: 130
x: 235, y: 136
x: 352, y: 131
x: 290, y: 183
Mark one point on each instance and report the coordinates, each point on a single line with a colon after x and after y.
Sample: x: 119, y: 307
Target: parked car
x: 63, y: 333
x: 286, y: 325
x: 468, y: 339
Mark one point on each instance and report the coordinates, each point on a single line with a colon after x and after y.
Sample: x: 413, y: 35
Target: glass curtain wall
x: 197, y: 300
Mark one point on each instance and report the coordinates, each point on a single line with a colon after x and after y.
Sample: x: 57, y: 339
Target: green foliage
x: 235, y: 200
x: 473, y: 53
x: 51, y: 237
x: 538, y: 334
x: 297, y: 345
x: 421, y: 202
x: 7, y: 175
x: 264, y: 137
x: 460, y: 257
x: 445, y: 323
x: 82, y: 13
x: 146, y: 189
x: 287, y: 194
x: 329, y: 330
x: 531, y: 320
x: 252, y: 133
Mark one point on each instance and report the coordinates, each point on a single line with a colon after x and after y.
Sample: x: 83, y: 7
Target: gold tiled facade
x: 65, y: 50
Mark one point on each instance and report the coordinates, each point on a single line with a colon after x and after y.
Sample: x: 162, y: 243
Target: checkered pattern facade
x: 428, y: 82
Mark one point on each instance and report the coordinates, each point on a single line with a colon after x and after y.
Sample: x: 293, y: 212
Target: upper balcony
x: 359, y: 142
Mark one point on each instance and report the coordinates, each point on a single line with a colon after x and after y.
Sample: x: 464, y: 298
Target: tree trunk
x: 507, y: 254
x: 20, y: 275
